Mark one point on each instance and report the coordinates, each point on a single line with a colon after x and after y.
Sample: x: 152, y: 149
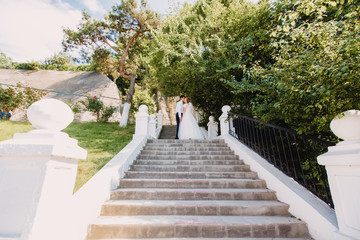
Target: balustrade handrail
x: 287, y: 130
x: 292, y: 153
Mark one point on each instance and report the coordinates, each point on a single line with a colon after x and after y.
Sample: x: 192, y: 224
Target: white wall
x: 88, y: 200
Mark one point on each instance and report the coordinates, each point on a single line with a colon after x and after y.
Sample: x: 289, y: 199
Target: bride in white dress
x: 189, y: 128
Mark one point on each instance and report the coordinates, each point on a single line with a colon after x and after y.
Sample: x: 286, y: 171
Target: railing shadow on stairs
x: 292, y: 153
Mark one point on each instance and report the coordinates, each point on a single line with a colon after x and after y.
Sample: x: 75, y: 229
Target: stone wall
x: 69, y: 83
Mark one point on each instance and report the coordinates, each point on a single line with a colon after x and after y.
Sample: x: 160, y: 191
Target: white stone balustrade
x: 212, y: 128
x: 148, y: 125
x: 224, y: 121
x: 142, y: 119
x: 160, y: 119
x: 37, y: 174
x: 342, y: 164
x: 152, y: 126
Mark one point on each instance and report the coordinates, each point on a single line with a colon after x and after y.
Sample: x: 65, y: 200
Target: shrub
x: 94, y: 105
x: 19, y: 97
x: 28, y: 66
x: 74, y: 106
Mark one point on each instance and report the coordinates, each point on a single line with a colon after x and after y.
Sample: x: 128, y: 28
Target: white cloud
x: 94, y: 6
x: 32, y: 29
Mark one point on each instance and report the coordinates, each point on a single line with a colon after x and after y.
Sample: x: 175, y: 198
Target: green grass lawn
x: 9, y: 128
x: 101, y: 140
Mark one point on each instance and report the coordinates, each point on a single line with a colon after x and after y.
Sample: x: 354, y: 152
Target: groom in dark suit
x: 179, y: 114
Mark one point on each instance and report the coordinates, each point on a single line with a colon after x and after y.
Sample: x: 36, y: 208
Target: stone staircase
x: 193, y: 189
x: 168, y: 132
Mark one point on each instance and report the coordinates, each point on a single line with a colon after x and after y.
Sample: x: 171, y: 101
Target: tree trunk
x: 125, y: 113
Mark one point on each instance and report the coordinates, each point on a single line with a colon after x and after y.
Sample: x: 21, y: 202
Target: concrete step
x: 196, y: 208
x: 193, y: 190
x: 169, y: 126
x: 192, y: 183
x: 169, y: 152
x: 191, y: 168
x: 185, y: 141
x: 167, y: 135
x: 192, y: 194
x: 168, y: 132
x: 190, y: 175
x: 159, y: 148
x: 201, y: 239
x: 196, y: 226
x: 189, y: 157
x: 185, y: 144
x: 188, y: 162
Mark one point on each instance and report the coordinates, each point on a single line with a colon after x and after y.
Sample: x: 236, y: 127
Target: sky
x: 31, y: 30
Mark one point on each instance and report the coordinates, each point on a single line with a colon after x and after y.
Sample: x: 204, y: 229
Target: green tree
x: 142, y: 96
x: 6, y: 62
x: 202, y: 46
x: 316, y: 72
x: 60, y: 62
x: 111, y: 39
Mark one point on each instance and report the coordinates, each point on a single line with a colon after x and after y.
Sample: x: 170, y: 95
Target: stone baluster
x: 142, y: 122
x: 212, y: 128
x: 159, y: 123
x: 224, y: 122
x: 342, y: 164
x: 152, y: 126
x: 37, y: 174
x: 160, y: 119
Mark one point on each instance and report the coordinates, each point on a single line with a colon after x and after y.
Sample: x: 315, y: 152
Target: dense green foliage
x: 293, y: 63
x: 203, y: 44
x: 316, y: 74
x: 142, y: 96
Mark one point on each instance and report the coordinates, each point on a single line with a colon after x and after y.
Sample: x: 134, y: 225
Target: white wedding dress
x: 189, y: 128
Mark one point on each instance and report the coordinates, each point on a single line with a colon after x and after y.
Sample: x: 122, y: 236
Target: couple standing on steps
x: 187, y: 126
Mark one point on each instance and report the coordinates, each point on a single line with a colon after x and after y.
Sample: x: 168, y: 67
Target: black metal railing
x: 293, y: 154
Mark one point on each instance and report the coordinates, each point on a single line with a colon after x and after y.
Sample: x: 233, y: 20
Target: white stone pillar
x: 152, y: 126
x: 142, y: 121
x: 37, y: 174
x: 160, y: 119
x: 342, y: 164
x: 224, y: 123
x: 212, y: 128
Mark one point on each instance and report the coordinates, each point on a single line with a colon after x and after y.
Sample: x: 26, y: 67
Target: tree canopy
x: 316, y: 73
x: 293, y: 63
x: 204, y: 44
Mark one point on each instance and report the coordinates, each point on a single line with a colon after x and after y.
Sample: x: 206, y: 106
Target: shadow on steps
x: 168, y: 132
